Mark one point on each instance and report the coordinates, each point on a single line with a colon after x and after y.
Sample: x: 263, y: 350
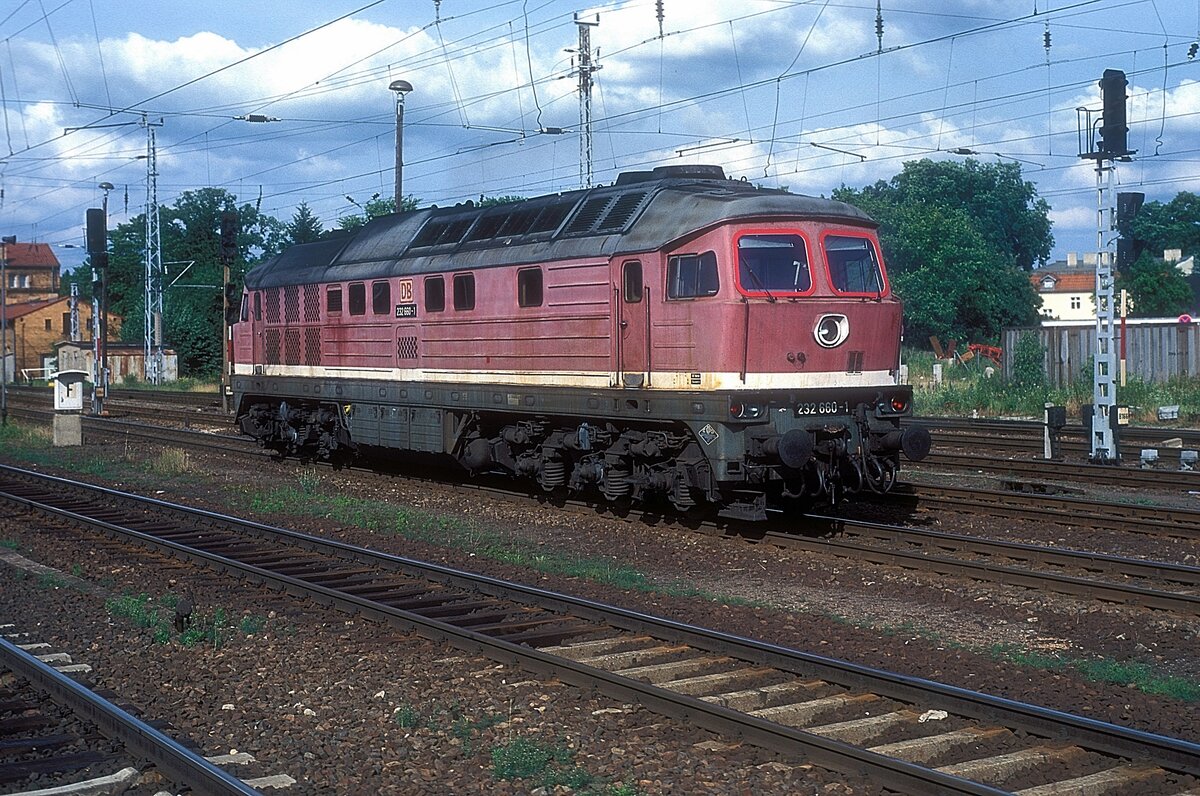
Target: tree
x: 305, y: 226
x: 190, y: 232
x: 958, y: 239
x: 1156, y: 288
x: 375, y: 207
x: 1174, y: 225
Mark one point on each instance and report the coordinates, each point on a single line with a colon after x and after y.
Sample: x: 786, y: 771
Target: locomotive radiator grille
x: 271, y: 346
x: 312, y: 303
x: 312, y: 342
x: 291, y: 346
x: 272, y: 301
x: 291, y: 304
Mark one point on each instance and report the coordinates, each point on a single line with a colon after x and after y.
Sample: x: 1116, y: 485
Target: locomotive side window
x: 853, y: 265
x: 631, y: 276
x: 435, y: 294
x: 692, y: 275
x: 770, y: 264
x: 358, y: 299
x: 257, y: 306
x: 381, y: 298
x: 464, y: 291
x: 333, y: 300
x: 529, y: 287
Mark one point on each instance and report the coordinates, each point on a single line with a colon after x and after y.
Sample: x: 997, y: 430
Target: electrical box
x: 68, y: 390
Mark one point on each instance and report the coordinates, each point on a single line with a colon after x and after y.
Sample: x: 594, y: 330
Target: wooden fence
x: 1155, y: 349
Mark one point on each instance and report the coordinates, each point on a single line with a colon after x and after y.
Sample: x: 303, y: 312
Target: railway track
x: 907, y: 734
x: 80, y: 730
x: 1133, y: 582
x: 1040, y: 470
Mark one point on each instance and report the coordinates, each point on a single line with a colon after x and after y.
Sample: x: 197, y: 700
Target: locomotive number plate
x: 822, y: 408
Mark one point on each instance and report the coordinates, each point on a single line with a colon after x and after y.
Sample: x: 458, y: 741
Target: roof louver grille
x: 588, y: 214
x: 622, y: 211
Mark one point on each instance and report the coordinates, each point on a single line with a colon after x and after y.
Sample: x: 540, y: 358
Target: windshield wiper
x: 758, y: 282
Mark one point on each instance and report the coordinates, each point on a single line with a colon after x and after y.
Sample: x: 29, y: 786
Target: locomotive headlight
x: 899, y: 404
x: 745, y: 411
x: 831, y: 330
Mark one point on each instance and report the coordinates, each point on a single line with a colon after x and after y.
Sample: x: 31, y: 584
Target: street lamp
x: 401, y: 87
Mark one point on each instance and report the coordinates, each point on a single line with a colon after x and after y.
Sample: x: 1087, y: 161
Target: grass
x: 179, y: 385
x: 51, y: 580
x: 548, y: 763
x: 1103, y: 670
x: 203, y: 628
x: 172, y: 461
x: 10, y: 544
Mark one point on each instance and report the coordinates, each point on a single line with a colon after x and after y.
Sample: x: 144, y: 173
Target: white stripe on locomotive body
x: 659, y: 380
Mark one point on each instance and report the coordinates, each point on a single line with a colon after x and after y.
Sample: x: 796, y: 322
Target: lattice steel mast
x: 152, y: 336
x: 585, y: 70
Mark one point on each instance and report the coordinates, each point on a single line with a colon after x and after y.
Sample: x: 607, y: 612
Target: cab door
x: 632, y: 312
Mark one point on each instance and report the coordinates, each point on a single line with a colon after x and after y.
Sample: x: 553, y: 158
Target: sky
x: 804, y: 95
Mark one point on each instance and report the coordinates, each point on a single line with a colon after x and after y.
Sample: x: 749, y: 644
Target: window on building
x: 25, y: 281
x: 692, y: 276
x: 49, y: 325
x: 631, y: 277
x: 1076, y: 302
x: 464, y: 291
x: 66, y: 327
x: 853, y: 265
x: 529, y: 287
x: 381, y: 298
x: 333, y: 300
x: 358, y: 299
x: 435, y: 294
x: 770, y: 264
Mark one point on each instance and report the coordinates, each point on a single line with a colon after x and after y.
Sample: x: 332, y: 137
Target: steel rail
x: 1041, y: 469
x: 1149, y: 520
x: 139, y: 738
x: 1170, y: 753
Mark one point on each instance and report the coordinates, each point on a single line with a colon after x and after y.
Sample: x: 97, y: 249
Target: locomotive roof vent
x: 684, y: 172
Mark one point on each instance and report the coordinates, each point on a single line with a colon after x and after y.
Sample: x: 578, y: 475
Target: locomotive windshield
x: 853, y: 265
x: 773, y: 264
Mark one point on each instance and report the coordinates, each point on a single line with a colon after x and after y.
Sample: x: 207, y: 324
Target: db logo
x: 1185, y: 318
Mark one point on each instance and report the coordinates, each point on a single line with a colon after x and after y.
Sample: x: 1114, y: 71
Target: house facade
x: 35, y: 326
x: 1067, y: 288
x: 31, y: 272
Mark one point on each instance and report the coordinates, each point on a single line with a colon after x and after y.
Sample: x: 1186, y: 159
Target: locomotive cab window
x: 257, y: 306
x: 358, y: 299
x: 631, y: 278
x: 333, y: 301
x: 529, y: 287
x: 381, y: 298
x: 244, y: 315
x: 692, y: 276
x: 769, y: 265
x: 435, y: 294
x: 853, y: 265
x: 464, y: 291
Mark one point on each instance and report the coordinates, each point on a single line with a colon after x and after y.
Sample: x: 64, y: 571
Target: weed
x: 51, y: 580
x: 522, y: 759
x: 310, y: 480
x: 252, y: 625
x: 77, y: 570
x: 206, y: 629
x: 406, y: 716
x: 11, y: 544
x: 162, y: 635
x: 172, y: 461
x: 137, y: 609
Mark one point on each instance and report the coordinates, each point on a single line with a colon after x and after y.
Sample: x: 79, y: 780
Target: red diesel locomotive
x: 676, y: 334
